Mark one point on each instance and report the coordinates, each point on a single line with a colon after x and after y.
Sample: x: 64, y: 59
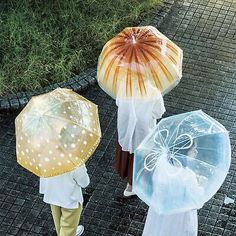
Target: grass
x: 42, y: 42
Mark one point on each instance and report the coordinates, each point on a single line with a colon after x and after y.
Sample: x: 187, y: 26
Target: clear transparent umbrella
x: 56, y: 132
x: 182, y: 163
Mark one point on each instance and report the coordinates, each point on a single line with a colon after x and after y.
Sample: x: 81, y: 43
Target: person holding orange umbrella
x: 133, y: 124
x: 136, y: 68
x: 56, y: 133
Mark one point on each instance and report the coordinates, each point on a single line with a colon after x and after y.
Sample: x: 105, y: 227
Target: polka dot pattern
x: 53, y: 141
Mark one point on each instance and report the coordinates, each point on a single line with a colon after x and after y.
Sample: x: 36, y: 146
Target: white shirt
x: 136, y: 118
x: 181, y: 224
x: 65, y: 190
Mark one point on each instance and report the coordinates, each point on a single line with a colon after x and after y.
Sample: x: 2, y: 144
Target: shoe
x: 80, y: 230
x: 128, y: 193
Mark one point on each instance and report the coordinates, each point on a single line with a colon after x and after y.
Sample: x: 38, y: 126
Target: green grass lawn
x: 43, y: 42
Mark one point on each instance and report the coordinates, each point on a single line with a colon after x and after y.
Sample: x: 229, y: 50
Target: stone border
x: 79, y: 82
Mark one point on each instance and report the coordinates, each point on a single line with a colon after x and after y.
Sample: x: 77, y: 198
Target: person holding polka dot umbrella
x: 56, y: 133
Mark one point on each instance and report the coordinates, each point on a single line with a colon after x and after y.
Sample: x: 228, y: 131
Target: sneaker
x: 80, y: 230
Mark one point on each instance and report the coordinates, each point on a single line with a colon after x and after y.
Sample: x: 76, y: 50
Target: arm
x: 81, y: 177
x: 159, y: 108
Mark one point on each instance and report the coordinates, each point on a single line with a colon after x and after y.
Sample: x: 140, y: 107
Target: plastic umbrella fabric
x: 182, y: 163
x: 135, y: 57
x: 56, y: 132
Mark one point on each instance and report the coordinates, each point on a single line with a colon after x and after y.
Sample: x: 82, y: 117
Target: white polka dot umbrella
x: 56, y: 132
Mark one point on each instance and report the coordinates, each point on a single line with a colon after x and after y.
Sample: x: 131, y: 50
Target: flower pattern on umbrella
x: 184, y: 161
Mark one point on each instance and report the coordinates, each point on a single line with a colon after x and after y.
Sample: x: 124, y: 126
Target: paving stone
x: 5, y: 104
x: 205, y: 29
x: 23, y: 101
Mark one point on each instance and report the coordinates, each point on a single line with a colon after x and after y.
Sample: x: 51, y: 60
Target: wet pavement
x: 205, y: 30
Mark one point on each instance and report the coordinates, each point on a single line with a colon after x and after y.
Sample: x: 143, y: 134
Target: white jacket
x: 65, y: 190
x: 136, y: 118
x: 180, y: 224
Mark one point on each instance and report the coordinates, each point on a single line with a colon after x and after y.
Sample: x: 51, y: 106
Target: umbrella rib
x: 117, y: 71
x: 71, y: 121
x: 178, y: 127
x: 128, y: 75
x: 197, y: 137
x: 184, y: 140
x: 148, y: 43
x: 109, y: 67
x: 162, y: 139
x: 177, y: 149
x: 107, y: 52
x: 172, y: 48
x: 140, y: 77
x: 27, y: 127
x: 159, y: 49
x: 173, y: 146
x: 154, y: 74
x: 145, y: 32
x: 55, y: 117
x: 59, y: 103
x: 195, y: 159
x: 201, y: 148
x: 163, y: 67
x: 125, y: 34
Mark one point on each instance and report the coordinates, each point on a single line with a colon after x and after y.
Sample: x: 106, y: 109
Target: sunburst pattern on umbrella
x: 135, y: 57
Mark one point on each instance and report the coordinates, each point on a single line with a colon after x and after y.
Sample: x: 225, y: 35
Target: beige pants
x: 66, y: 220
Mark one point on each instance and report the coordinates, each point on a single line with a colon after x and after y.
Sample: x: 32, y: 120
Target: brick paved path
x: 205, y: 29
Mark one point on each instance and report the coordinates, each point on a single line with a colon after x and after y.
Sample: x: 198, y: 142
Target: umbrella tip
x: 133, y: 39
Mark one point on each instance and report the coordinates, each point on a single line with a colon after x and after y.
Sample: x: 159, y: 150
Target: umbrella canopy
x: 135, y: 57
x: 56, y: 132
x: 182, y: 163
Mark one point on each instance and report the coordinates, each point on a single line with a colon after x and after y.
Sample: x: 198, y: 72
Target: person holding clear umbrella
x: 180, y: 224
x: 178, y: 167
x: 136, y: 118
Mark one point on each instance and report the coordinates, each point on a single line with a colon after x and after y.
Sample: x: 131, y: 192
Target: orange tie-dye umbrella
x: 138, y: 57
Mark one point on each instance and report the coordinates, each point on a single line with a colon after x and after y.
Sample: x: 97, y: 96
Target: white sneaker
x: 80, y: 230
x: 128, y: 193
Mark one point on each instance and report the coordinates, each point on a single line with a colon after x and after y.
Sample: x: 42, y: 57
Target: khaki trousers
x: 66, y: 220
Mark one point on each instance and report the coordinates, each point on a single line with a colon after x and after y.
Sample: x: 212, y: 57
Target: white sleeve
x: 81, y: 177
x: 158, y: 108
x: 41, y: 185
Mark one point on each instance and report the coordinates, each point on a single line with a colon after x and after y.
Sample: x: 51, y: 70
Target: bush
x: 43, y: 42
